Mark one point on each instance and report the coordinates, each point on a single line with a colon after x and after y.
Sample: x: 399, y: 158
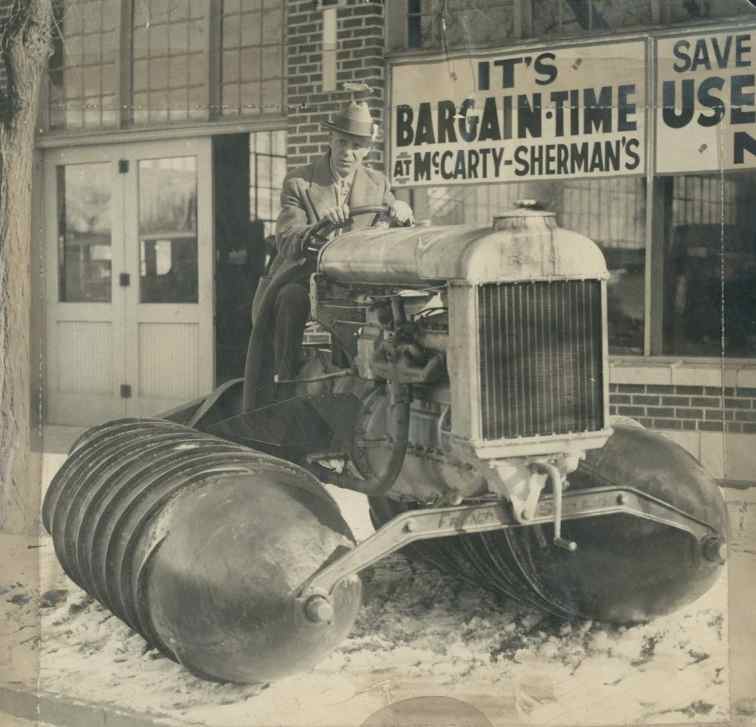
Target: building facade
x: 167, y: 128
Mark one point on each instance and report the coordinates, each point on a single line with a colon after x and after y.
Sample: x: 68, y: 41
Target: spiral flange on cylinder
x: 200, y: 545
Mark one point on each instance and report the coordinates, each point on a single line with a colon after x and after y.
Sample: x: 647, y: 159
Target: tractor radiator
x: 541, y: 354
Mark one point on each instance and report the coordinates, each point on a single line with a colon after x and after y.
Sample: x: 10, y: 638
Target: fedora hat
x: 354, y: 120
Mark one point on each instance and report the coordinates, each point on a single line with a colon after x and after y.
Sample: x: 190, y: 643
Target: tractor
x: 458, y: 378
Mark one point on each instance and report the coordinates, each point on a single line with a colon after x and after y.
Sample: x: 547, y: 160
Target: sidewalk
x: 66, y: 662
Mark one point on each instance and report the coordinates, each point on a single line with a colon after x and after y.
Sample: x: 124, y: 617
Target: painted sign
x: 706, y: 119
x: 545, y: 114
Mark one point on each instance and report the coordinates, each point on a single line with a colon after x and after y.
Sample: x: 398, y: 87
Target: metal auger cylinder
x: 201, y: 545
x: 626, y: 568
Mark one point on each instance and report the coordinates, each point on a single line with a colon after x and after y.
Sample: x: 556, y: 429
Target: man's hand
x: 337, y: 215
x: 402, y: 212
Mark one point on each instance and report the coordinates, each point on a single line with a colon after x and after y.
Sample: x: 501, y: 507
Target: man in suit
x: 324, y: 189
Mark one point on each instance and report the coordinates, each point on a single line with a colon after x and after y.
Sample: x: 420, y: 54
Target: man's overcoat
x: 307, y: 193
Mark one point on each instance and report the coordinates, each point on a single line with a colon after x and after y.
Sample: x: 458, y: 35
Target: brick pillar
x: 360, y: 41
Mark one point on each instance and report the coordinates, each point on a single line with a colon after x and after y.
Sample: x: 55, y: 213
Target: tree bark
x: 25, y: 36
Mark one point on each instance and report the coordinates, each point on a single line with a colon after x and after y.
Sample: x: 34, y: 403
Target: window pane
x: 272, y: 95
x: 250, y: 98
x: 681, y: 11
x: 168, y: 230
x: 468, y: 23
x: 710, y: 257
x: 616, y: 14
x: 82, y: 65
x: 272, y: 59
x: 267, y: 171
x: 167, y: 195
x: 251, y: 29
x: 253, y: 42
x: 140, y: 76
x: 84, y: 233
x: 250, y: 64
x: 168, y: 61
x: 168, y: 270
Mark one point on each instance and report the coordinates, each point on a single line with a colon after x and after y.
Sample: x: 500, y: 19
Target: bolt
x: 319, y: 609
x: 564, y: 544
x: 620, y: 499
x: 714, y: 549
x: 410, y: 526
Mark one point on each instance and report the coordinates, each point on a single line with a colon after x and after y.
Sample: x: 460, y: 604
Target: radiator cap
x: 526, y: 213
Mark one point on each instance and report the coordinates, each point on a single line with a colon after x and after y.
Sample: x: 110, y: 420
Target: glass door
x: 130, y: 295
x: 169, y: 305
x: 84, y: 351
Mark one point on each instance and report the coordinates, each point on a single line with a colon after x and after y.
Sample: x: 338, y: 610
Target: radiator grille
x: 540, y: 358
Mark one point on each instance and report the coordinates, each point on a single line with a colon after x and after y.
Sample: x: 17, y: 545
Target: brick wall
x: 691, y: 408
x: 360, y: 31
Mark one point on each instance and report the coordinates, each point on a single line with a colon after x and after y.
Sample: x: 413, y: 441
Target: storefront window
x: 609, y: 211
x: 458, y: 23
x: 710, y: 265
x: 169, y: 65
x: 252, y: 59
x: 82, y: 67
x: 267, y: 169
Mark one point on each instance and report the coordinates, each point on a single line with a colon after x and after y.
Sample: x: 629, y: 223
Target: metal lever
x: 557, y: 485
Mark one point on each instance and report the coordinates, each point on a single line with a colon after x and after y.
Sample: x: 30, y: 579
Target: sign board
x: 541, y: 114
x: 706, y: 118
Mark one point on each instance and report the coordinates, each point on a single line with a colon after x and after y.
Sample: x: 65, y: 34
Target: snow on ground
x: 419, y: 633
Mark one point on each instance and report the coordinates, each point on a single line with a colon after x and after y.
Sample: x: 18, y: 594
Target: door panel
x: 84, y: 310
x: 169, y: 310
x: 130, y: 304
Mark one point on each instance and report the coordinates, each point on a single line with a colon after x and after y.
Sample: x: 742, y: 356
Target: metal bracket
x: 443, y: 522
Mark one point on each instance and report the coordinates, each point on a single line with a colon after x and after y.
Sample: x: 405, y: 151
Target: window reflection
x: 611, y: 212
x: 571, y: 17
x: 710, y: 257
x: 84, y: 233
x: 168, y: 230
x: 681, y: 11
x: 168, y: 270
x: 468, y: 23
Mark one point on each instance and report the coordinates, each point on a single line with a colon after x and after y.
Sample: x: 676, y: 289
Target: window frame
x: 211, y: 122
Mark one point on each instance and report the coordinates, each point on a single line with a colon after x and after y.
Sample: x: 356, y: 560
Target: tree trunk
x: 24, y: 42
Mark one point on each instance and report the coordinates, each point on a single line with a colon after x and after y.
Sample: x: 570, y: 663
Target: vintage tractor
x: 464, y: 391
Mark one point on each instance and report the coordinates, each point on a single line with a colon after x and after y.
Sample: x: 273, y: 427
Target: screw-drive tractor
x: 463, y: 387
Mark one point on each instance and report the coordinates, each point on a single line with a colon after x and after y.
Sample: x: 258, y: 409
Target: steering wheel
x: 318, y: 235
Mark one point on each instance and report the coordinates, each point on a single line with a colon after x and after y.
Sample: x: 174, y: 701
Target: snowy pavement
x: 419, y: 633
